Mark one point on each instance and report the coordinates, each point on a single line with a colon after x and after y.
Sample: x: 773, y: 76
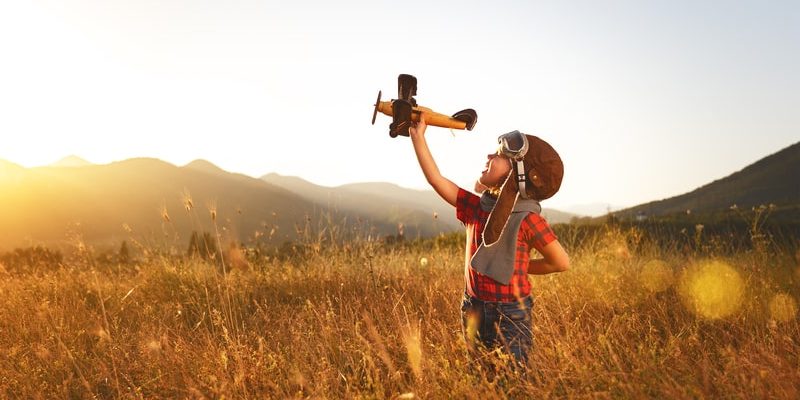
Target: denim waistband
x: 527, y: 300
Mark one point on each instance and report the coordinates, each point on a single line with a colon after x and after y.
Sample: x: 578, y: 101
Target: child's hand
x: 418, y: 128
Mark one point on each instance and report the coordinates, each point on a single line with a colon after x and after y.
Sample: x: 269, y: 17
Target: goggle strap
x: 520, y: 172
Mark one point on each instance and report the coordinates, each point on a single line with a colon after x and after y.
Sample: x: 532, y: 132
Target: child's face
x: 497, y: 169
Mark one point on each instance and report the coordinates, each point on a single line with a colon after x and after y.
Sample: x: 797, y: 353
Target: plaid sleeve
x: 467, y: 206
x: 537, y: 232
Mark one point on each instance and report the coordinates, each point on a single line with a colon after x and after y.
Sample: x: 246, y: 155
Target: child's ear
x: 535, y: 179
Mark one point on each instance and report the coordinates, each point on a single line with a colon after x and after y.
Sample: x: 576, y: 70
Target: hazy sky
x: 643, y: 99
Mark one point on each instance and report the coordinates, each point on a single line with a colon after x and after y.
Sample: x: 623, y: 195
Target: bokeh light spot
x: 656, y: 276
x: 713, y: 289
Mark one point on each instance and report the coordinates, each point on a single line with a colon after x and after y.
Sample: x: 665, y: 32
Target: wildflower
x: 423, y: 262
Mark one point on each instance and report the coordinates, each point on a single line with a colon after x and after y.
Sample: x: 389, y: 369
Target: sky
x: 642, y: 100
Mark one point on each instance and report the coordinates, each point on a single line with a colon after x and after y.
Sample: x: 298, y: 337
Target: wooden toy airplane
x: 405, y: 110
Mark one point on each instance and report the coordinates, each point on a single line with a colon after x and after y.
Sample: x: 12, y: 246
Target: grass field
x: 369, y: 320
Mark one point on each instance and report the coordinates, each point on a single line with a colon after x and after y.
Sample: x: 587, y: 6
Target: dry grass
x: 368, y: 321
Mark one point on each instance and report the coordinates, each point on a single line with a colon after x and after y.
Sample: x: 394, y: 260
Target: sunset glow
x: 622, y: 91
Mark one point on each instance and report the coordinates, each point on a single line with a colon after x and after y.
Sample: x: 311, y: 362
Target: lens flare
x: 782, y: 308
x: 472, y: 325
x: 713, y: 289
x: 656, y: 276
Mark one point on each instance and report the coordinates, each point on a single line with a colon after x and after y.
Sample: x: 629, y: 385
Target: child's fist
x: 418, y: 128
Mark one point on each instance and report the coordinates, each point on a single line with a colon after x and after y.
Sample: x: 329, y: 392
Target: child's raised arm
x: 443, y: 186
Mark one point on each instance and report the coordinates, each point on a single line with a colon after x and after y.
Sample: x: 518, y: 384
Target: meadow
x: 633, y: 318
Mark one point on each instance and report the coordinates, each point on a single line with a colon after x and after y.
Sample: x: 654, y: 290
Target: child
x: 503, y: 225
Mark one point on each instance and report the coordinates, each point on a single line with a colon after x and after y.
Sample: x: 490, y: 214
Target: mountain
x: 378, y: 198
x: 558, y: 217
x: 71, y: 161
x: 158, y: 203
x: 774, y: 179
x: 592, y: 209
x: 107, y: 203
x: 205, y: 166
x: 412, y: 208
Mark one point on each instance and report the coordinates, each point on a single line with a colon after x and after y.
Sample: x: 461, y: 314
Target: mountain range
x: 159, y: 202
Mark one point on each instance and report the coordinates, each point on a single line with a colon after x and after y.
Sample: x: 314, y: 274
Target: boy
x: 503, y: 224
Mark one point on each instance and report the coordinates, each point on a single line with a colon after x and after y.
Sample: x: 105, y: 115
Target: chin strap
x: 520, y: 172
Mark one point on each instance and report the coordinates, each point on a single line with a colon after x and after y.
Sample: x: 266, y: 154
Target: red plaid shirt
x: 533, y: 233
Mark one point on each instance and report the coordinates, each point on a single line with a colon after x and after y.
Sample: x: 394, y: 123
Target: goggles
x: 514, y: 145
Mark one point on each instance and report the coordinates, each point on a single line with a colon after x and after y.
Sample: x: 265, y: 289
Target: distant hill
x: 71, y: 161
x: 205, y: 166
x: 413, y: 208
x: 376, y: 198
x: 774, y: 179
x: 592, y: 209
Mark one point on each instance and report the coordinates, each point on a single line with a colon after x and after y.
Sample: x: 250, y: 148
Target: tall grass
x: 364, y: 319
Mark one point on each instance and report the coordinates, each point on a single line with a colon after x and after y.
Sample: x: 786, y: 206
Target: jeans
x: 499, y: 325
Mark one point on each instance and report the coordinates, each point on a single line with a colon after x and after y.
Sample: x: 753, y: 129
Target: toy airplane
x: 405, y: 110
